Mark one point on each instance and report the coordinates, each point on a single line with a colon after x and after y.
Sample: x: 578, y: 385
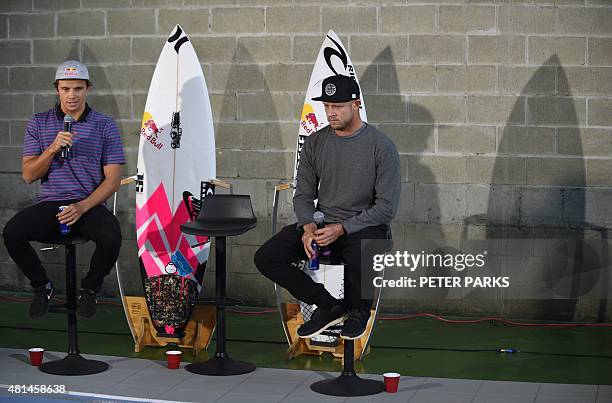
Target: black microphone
x: 319, y: 219
x: 67, y: 128
x: 324, y: 251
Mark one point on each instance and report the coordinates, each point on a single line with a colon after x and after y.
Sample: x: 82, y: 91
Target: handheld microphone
x: 67, y: 128
x: 319, y: 219
x: 324, y: 252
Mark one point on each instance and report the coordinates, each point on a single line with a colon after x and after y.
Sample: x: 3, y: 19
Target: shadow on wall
x: 23, y: 195
x: 535, y: 197
x: 418, y: 216
x: 413, y: 137
x: 101, y: 98
x: 247, y: 121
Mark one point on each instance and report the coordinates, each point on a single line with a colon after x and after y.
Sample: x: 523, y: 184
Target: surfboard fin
x: 192, y: 204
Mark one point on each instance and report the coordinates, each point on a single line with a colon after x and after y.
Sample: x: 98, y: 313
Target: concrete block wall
x: 500, y: 109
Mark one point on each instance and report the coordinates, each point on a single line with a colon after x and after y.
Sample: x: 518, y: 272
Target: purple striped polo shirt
x: 96, y: 143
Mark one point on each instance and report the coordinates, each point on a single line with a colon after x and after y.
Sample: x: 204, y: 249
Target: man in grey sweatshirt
x: 352, y: 170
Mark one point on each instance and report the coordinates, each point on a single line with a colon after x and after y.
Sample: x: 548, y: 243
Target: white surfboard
x: 333, y: 59
x: 176, y: 153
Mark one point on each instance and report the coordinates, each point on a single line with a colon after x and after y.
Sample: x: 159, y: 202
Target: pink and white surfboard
x: 176, y: 153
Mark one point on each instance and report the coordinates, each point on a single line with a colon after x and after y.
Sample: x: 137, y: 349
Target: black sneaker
x: 356, y: 324
x: 321, y: 319
x: 40, y: 302
x: 86, y: 304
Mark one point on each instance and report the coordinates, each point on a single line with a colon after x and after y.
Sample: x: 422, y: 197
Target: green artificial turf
x: 414, y: 347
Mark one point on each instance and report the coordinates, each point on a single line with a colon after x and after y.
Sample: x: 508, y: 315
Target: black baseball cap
x: 338, y: 88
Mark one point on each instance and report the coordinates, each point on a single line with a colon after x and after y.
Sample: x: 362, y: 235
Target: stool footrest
x: 58, y: 309
x: 219, y: 301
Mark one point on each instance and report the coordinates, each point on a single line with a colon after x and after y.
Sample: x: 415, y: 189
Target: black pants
x: 274, y: 260
x: 39, y: 223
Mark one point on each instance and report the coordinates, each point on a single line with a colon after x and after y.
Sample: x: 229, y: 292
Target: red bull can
x: 313, y: 262
x: 64, y: 228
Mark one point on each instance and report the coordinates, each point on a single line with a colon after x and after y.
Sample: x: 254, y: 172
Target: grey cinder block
x: 437, y: 48
x: 497, y: 49
x: 131, y: 22
x: 349, y: 19
x: 408, y: 19
x: 466, y: 19
x: 29, y: 26
x: 234, y: 20
x: 81, y: 23
x: 15, y: 52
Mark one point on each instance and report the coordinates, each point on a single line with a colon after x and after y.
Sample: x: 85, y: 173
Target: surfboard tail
x: 171, y: 299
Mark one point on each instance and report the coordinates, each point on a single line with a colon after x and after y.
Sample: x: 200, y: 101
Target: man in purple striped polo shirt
x: 82, y: 179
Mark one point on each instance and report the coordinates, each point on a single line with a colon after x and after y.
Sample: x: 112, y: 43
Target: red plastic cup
x: 36, y: 356
x: 174, y: 359
x: 391, y: 381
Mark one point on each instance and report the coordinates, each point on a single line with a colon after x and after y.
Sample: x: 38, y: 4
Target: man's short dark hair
x: 55, y: 83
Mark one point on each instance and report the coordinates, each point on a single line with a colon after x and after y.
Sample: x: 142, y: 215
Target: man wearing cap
x: 81, y: 179
x: 352, y: 170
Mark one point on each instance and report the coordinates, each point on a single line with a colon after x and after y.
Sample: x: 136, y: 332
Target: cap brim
x: 71, y: 78
x: 333, y: 100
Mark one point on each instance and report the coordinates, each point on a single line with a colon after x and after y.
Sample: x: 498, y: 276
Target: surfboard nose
x: 177, y: 30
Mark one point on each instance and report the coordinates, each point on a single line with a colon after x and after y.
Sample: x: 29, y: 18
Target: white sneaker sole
x: 360, y: 335
x: 324, y: 328
x: 355, y: 337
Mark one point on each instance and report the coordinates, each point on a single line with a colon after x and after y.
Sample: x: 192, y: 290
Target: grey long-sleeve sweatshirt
x: 355, y: 178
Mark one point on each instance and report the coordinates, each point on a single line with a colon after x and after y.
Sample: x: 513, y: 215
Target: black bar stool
x: 73, y: 363
x: 221, y: 216
x: 348, y: 383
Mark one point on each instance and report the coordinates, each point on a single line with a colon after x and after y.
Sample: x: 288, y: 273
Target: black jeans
x: 39, y: 223
x: 274, y: 260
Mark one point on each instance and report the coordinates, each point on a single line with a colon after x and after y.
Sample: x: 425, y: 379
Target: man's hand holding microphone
x: 319, y: 232
x: 63, y: 141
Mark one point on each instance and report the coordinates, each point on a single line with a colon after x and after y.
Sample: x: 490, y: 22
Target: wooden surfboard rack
x: 299, y: 346
x: 198, y: 332
x: 292, y: 317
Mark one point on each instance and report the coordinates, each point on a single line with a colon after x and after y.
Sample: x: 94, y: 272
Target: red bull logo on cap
x: 71, y: 72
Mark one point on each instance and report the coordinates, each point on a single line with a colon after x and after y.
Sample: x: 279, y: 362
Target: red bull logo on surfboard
x: 309, y: 123
x: 312, y: 119
x: 150, y: 131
